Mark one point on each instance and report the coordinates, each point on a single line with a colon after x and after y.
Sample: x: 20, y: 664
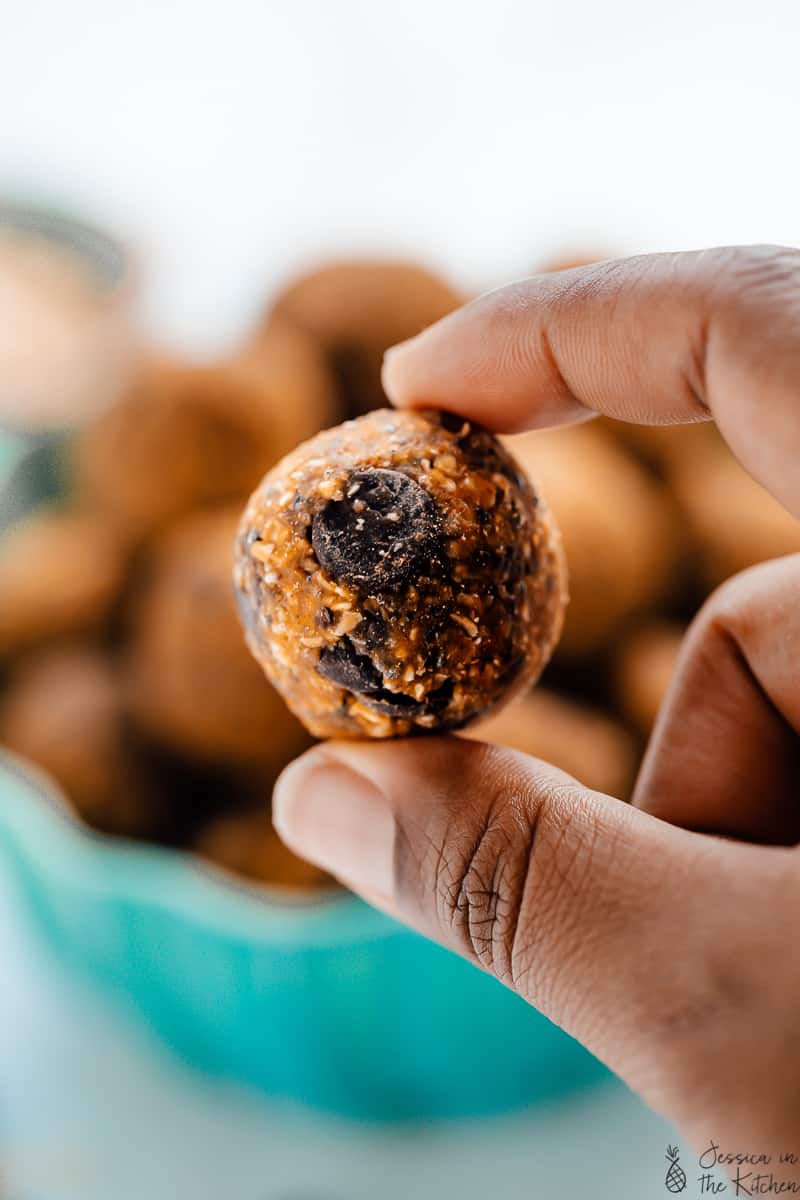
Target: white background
x: 232, y: 143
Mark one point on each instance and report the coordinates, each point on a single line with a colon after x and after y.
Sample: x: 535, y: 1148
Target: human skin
x: 661, y: 934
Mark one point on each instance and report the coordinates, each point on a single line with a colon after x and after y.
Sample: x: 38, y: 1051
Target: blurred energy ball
x: 579, y: 739
x: 622, y: 536
x: 355, y: 310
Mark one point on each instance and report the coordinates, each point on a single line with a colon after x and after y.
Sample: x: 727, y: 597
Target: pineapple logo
x: 675, y: 1180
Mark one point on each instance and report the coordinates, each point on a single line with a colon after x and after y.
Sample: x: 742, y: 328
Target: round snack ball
x: 357, y: 310
x: 398, y: 573
x: 621, y: 533
x: 644, y: 668
x: 294, y: 374
x: 193, y: 435
x: 60, y: 574
x: 192, y: 683
x: 665, y: 447
x: 580, y: 740
x: 735, y: 522
x: 246, y: 844
x: 64, y: 711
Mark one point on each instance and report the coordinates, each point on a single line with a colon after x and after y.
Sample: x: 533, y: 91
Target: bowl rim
x: 110, y: 264
x: 36, y: 819
x: 108, y: 258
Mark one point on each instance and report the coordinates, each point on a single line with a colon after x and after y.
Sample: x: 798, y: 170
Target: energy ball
x: 622, y: 536
x: 297, y: 381
x: 645, y: 664
x: 64, y: 711
x: 399, y: 574
x: 582, y: 741
x: 665, y: 448
x: 356, y: 310
x: 61, y: 573
x: 192, y: 684
x: 246, y: 844
x: 735, y: 523
x: 197, y: 435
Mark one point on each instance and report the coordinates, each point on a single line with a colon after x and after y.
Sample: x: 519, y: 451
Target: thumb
x: 612, y: 922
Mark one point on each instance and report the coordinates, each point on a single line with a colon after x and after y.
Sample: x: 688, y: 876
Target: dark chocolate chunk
x: 438, y: 700
x: 452, y: 422
x: 381, y: 535
x: 373, y: 630
x: 393, y: 704
x: 344, y: 666
x: 470, y: 438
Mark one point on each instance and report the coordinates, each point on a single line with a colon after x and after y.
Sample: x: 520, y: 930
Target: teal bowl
x: 319, y: 1000
x: 322, y: 1001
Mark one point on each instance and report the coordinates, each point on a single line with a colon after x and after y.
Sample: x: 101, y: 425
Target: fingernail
x: 337, y: 818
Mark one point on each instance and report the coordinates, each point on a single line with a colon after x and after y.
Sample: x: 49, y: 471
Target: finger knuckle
x: 715, y: 614
x: 736, y: 270
x: 762, y: 263
x: 513, y: 882
x: 553, y: 943
x: 738, y: 606
x: 480, y: 883
x: 754, y: 285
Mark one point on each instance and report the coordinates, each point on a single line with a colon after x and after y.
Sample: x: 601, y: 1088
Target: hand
x: 662, y: 934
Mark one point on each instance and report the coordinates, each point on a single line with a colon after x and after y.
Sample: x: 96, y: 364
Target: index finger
x: 657, y: 339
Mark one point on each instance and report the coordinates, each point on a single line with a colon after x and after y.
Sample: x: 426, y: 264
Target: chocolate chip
x: 373, y: 630
x: 344, y: 666
x: 452, y: 422
x: 381, y: 535
x: 252, y: 536
x: 394, y: 704
x: 438, y: 700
